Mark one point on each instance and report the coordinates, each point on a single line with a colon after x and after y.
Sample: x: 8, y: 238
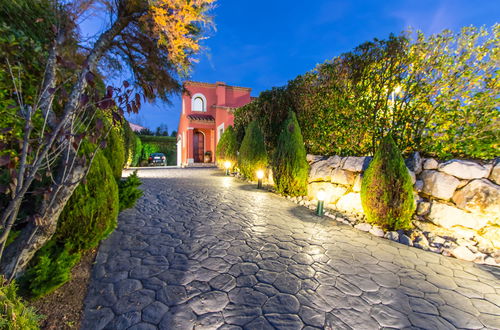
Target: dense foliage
x: 227, y: 148
x: 14, y: 315
x: 115, y: 151
x: 128, y: 191
x: 91, y: 212
x: 436, y: 94
x: 164, y: 144
x: 387, y: 189
x: 52, y: 268
x: 290, y: 167
x: 252, y: 154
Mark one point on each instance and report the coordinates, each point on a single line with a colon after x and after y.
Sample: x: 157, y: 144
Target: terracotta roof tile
x: 206, y: 118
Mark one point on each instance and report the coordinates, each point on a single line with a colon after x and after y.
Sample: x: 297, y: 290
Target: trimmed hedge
x: 165, y: 144
x: 290, y: 166
x: 252, y: 155
x: 387, y: 189
x: 227, y: 148
x: 13, y: 312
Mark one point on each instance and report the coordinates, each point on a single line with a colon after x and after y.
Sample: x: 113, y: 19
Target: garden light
x: 321, y: 201
x: 227, y: 165
x: 260, y: 175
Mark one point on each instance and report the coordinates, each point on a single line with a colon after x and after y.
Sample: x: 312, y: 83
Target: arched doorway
x: 198, y: 146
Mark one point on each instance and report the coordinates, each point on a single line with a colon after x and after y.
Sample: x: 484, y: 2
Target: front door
x: 198, y: 147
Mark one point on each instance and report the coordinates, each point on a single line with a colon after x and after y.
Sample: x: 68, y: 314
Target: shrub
x: 51, y: 268
x: 252, y: 156
x: 128, y: 191
x: 290, y: 167
x: 227, y: 148
x: 115, y: 152
x: 129, y: 143
x: 387, y: 190
x: 13, y: 313
x: 91, y: 212
x: 137, y: 151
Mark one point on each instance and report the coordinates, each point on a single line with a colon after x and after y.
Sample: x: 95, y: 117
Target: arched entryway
x: 198, y: 146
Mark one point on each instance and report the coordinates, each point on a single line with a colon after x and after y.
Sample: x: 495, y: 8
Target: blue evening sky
x: 261, y: 44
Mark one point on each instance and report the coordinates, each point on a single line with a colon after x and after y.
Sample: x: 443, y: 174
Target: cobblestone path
x: 205, y: 251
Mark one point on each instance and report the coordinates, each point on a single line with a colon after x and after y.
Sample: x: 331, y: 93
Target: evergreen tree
x: 227, y: 148
x: 252, y: 155
x: 290, y: 167
x: 387, y: 190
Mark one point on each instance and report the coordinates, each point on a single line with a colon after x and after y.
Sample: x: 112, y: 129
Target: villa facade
x: 207, y: 110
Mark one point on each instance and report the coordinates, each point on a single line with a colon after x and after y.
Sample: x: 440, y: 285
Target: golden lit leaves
x: 178, y: 24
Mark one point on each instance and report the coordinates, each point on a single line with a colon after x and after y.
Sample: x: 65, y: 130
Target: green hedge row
x: 164, y: 144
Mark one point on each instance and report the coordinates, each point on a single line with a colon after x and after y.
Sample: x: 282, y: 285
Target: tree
x: 173, y: 134
x: 162, y: 130
x: 227, y: 148
x: 145, y: 131
x: 387, y: 190
x: 155, y: 39
x: 290, y: 166
x: 252, y: 154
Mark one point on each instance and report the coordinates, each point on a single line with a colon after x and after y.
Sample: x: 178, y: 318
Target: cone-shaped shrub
x: 290, y: 167
x: 227, y: 148
x: 252, y: 156
x: 387, y: 190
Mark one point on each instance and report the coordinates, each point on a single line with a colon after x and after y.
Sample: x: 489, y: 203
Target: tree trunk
x: 18, y: 254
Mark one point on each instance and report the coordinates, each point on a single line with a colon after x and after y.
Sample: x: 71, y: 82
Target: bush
x: 128, y: 191
x: 115, y: 152
x: 91, y: 213
x: 129, y: 143
x: 136, y: 159
x: 227, y: 148
x: 290, y: 167
x: 163, y: 144
x: 252, y: 156
x: 14, y: 315
x: 387, y: 190
x: 52, y: 266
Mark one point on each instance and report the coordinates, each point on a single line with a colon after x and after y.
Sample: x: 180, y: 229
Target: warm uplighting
x: 320, y: 196
x: 227, y: 165
x: 260, y: 176
x: 397, y: 90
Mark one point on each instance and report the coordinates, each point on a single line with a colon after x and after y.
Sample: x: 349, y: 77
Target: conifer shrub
x: 128, y: 191
x: 91, y: 213
x: 387, y: 189
x: 115, y: 152
x: 290, y: 166
x: 129, y: 143
x: 252, y: 155
x: 227, y: 148
x: 51, y: 268
x: 136, y: 158
x: 14, y: 314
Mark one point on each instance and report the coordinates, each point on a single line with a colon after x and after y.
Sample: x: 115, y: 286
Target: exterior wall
x: 220, y: 99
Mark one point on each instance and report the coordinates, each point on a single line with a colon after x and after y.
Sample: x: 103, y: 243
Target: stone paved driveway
x: 201, y: 250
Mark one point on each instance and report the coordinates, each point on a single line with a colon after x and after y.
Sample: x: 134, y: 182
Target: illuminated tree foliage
x: 447, y: 105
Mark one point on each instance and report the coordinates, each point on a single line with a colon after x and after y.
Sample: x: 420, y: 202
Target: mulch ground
x: 63, y: 309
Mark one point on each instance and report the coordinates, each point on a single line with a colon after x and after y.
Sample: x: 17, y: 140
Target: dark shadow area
x: 246, y: 186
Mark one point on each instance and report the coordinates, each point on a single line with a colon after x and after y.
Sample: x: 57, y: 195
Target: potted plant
x: 208, y: 156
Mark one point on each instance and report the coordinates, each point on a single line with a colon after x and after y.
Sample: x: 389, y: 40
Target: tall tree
x: 155, y: 39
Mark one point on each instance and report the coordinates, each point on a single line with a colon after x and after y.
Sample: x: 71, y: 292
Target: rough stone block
x: 332, y: 191
x: 342, y: 177
x: 479, y: 196
x: 448, y: 216
x: 350, y: 203
x: 495, y: 172
x: 439, y: 185
x: 430, y: 164
x: 356, y: 164
x: 464, y: 169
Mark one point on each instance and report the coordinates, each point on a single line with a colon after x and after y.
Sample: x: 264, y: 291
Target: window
x: 220, y: 130
x: 199, y: 103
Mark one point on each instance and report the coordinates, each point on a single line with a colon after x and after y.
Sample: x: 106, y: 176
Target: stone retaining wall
x: 458, y: 196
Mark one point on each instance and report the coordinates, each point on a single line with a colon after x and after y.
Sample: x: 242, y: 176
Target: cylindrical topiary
x: 387, y: 189
x: 115, y: 152
x: 252, y: 155
x: 227, y: 148
x: 290, y: 166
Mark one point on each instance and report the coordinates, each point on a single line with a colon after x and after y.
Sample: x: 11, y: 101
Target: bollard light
x: 260, y: 176
x: 227, y: 165
x: 321, y: 201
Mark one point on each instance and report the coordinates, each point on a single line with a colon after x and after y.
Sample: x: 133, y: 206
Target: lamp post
x: 260, y: 175
x: 321, y: 201
x: 227, y: 165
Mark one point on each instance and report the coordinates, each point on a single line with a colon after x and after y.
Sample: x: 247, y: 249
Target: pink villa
x: 207, y: 110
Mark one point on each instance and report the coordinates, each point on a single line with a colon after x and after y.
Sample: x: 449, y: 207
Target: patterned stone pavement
x: 205, y: 251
